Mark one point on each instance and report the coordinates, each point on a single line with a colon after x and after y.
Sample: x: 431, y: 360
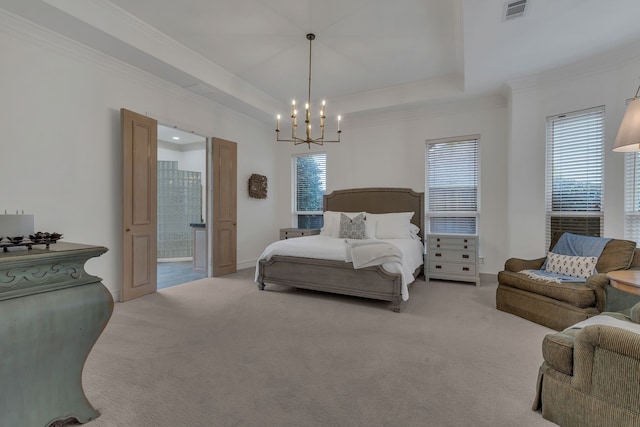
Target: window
x: 574, y: 184
x: 309, y: 185
x: 451, y: 169
x: 632, y: 196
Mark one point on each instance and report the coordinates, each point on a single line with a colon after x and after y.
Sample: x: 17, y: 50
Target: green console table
x: 51, y: 314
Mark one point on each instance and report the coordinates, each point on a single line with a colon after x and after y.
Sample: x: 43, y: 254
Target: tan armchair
x: 591, y: 376
x: 559, y: 305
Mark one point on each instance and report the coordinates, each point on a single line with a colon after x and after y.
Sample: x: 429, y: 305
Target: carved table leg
x: 46, y: 338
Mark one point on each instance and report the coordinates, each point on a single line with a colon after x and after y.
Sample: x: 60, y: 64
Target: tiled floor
x: 176, y: 273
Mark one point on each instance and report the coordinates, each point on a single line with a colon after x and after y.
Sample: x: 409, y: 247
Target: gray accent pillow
x: 351, y: 228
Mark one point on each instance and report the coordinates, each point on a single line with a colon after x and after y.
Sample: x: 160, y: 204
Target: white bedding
x: 335, y: 249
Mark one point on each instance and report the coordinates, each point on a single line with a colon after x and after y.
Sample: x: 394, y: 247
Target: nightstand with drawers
x: 452, y: 257
x: 289, y: 233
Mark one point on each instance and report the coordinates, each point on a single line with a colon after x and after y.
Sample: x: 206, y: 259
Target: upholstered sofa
x: 590, y: 376
x: 560, y: 305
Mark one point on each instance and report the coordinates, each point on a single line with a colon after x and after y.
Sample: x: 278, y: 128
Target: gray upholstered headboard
x: 378, y: 200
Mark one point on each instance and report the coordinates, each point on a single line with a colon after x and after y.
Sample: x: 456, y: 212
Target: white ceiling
x: 252, y: 55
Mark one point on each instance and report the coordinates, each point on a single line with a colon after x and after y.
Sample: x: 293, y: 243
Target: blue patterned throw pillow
x: 351, y: 228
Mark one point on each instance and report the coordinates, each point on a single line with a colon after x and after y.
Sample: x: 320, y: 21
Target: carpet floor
x: 219, y: 352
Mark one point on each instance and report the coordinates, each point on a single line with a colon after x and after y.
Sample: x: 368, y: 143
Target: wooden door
x: 225, y: 159
x: 139, y: 204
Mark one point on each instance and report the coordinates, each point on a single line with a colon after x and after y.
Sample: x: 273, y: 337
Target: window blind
x: 632, y: 196
x: 310, y: 184
x: 574, y: 179
x: 451, y: 183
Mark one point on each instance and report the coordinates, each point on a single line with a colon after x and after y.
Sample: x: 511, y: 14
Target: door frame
x: 209, y: 214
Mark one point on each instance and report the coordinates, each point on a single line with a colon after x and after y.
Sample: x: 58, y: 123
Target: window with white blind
x: 451, y: 183
x: 574, y: 182
x: 309, y: 185
x: 632, y: 196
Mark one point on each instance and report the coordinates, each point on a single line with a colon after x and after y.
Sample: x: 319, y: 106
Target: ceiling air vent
x: 514, y: 9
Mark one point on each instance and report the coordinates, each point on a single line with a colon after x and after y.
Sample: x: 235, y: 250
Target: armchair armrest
x: 517, y: 264
x: 606, y: 362
x: 598, y: 282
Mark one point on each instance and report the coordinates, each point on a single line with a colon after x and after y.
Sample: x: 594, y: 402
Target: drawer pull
x: 465, y: 256
x: 438, y: 245
x: 466, y: 247
x: 438, y: 267
x: 438, y: 254
x: 465, y: 268
x: 465, y: 240
x: 438, y: 239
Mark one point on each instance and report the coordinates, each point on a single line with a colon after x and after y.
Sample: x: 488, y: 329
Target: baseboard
x: 488, y: 279
x: 246, y: 264
x: 115, y: 295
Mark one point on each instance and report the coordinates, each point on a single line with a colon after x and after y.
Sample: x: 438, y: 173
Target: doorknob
x: 128, y: 229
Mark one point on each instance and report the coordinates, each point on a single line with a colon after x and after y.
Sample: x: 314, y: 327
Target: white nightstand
x: 453, y: 257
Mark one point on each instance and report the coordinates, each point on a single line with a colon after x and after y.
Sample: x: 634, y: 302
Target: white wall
x: 388, y: 150
x: 574, y: 88
x: 60, y: 145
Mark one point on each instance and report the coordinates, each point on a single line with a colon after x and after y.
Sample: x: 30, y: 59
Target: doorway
x: 182, y: 205
x: 139, y: 141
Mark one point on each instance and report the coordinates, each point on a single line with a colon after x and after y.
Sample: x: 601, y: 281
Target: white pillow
x: 574, y: 266
x: 331, y: 219
x: 328, y: 218
x: 388, y: 226
x: 370, y: 226
x: 414, y: 230
x: 392, y: 228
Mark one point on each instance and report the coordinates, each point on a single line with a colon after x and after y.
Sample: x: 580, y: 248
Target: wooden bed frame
x: 338, y: 276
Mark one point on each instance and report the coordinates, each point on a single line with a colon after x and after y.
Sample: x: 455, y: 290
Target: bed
x: 337, y: 275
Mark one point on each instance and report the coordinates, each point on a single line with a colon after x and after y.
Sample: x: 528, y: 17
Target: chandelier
x: 307, y: 118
